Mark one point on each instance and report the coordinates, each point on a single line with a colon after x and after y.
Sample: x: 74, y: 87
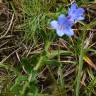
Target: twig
x: 9, y: 56
x: 8, y: 27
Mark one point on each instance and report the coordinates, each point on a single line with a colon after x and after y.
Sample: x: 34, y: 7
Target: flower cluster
x: 63, y: 25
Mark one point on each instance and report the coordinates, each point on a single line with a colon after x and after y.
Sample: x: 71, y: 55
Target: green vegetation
x: 34, y: 61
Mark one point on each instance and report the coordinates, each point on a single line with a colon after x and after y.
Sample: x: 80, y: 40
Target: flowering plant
x: 63, y: 25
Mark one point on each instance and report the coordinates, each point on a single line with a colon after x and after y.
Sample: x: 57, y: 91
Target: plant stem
x: 79, y: 72
x: 80, y: 65
x: 39, y: 63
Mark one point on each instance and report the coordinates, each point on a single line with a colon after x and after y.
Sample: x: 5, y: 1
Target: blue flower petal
x: 54, y: 24
x: 69, y: 32
x: 60, y: 32
x: 80, y: 11
x: 81, y: 18
x: 79, y: 15
x: 61, y: 19
x: 73, y: 9
x: 64, y: 21
x: 74, y: 6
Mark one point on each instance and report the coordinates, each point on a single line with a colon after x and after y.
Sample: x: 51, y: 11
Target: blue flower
x: 75, y: 14
x: 62, y: 26
x: 64, y: 23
